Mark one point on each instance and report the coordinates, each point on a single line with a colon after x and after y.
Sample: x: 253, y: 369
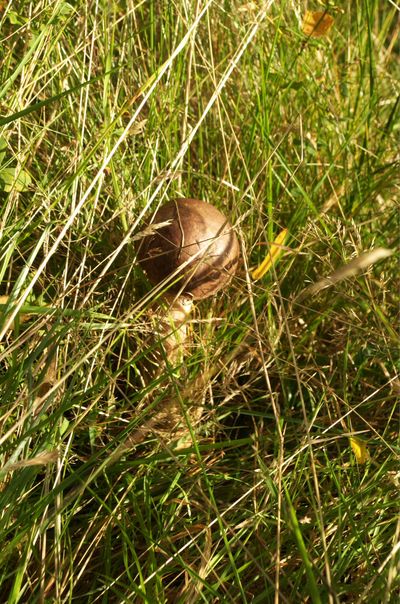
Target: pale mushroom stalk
x: 170, y: 331
x: 195, y: 254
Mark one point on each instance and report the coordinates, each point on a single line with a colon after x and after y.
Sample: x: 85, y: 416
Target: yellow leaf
x: 274, y: 252
x: 317, y: 23
x: 360, y: 450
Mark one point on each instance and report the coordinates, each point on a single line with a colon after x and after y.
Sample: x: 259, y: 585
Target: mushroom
x: 197, y: 252
x: 193, y: 251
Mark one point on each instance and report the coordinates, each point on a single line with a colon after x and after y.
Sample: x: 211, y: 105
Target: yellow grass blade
x: 272, y: 256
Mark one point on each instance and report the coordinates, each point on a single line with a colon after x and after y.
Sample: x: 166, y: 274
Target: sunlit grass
x: 106, y: 111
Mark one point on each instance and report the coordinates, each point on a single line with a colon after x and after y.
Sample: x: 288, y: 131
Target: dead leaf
x: 138, y: 127
x: 317, y: 23
x: 49, y: 378
x: 245, y: 8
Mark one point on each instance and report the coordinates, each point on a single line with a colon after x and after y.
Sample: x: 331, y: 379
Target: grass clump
x: 107, y: 110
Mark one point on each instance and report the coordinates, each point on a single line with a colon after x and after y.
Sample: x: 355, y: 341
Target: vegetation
x: 286, y: 490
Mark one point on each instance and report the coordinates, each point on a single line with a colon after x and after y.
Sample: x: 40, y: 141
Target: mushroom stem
x: 168, y: 345
x: 194, y: 253
x: 170, y: 330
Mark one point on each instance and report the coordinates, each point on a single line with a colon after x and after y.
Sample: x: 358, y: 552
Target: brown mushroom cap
x: 199, y: 237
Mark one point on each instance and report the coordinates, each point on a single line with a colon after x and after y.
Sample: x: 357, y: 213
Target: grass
x: 107, y: 110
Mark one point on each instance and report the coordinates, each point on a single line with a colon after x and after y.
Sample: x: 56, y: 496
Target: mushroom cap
x: 200, y: 238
